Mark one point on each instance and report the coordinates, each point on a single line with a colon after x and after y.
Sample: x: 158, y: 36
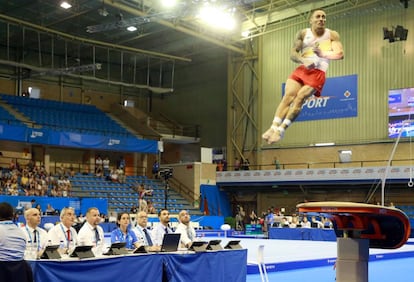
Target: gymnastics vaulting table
x: 364, y: 226
x: 225, y: 265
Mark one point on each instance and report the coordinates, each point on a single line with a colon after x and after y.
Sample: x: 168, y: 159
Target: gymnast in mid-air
x: 313, y: 48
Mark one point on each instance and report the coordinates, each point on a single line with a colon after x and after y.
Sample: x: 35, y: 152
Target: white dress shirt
x: 41, y: 237
x: 140, y: 233
x: 58, y: 234
x: 158, y: 232
x: 87, y: 237
x: 187, y: 232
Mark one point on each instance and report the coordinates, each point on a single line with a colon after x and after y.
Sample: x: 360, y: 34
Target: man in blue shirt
x: 12, y: 239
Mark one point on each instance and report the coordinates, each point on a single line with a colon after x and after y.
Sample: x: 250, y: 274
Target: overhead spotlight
x: 399, y: 34
x: 388, y: 34
x: 169, y: 3
x: 65, y: 5
x: 245, y: 33
x: 131, y: 28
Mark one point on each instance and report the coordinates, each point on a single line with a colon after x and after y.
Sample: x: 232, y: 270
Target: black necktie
x: 35, y: 236
x: 149, y: 241
x: 166, y: 229
x: 96, y: 235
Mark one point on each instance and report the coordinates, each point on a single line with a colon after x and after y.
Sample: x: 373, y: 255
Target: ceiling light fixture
x: 131, y: 28
x: 324, y: 144
x: 65, y: 5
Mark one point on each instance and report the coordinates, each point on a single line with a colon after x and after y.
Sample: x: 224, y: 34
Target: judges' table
x: 313, y: 234
x: 226, y: 265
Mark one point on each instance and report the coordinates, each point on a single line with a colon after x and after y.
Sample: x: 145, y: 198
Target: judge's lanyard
x: 32, y: 240
x: 66, y: 235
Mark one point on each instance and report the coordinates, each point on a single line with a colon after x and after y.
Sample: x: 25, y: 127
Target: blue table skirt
x: 226, y: 265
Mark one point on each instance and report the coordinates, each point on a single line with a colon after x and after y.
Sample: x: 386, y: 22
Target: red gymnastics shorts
x: 312, y: 77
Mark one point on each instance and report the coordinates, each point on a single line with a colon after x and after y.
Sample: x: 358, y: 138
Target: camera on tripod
x: 166, y: 173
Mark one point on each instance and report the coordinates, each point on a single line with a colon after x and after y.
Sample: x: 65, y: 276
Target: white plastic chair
x: 261, y: 264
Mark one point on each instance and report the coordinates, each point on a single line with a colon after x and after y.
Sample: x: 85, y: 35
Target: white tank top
x: 323, y: 42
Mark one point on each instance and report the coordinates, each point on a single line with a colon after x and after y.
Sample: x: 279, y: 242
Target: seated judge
x: 124, y: 233
x: 143, y: 234
x: 91, y: 234
x: 63, y: 234
x: 36, y: 237
x: 188, y: 234
x: 161, y: 228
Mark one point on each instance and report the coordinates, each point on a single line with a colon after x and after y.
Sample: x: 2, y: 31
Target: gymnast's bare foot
x: 275, y: 137
x: 268, y: 133
x: 272, y: 135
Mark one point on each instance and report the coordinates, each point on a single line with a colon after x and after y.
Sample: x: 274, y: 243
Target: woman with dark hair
x: 124, y: 233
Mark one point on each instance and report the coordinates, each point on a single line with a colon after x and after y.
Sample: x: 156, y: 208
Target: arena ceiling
x: 41, y: 36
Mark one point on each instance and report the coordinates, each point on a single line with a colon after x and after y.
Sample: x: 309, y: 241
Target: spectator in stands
x: 63, y: 234
x: 188, y: 234
x: 305, y: 223
x: 240, y: 215
x: 91, y: 234
x: 72, y: 171
x: 49, y: 210
x: 36, y: 237
x: 30, y: 165
x: 246, y: 164
x: 98, y: 164
x: 269, y: 218
x: 12, y: 238
x: 162, y: 227
x: 113, y: 175
x: 99, y: 171
x: 143, y: 234
x: 121, y: 163
x: 121, y: 175
x: 295, y: 221
x: 105, y: 165
x: 123, y: 233
x: 61, y: 172
x: 142, y: 192
x: 236, y: 164
x: 220, y: 165
x: 39, y: 208
x: 277, y: 163
x: 155, y: 169
x: 253, y: 217
x: 150, y: 208
x: 284, y: 222
x: 327, y: 223
x: 316, y: 223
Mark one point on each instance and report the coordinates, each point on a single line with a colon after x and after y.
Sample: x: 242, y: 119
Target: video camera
x: 166, y: 173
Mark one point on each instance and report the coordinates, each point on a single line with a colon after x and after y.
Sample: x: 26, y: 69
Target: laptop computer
x: 83, y: 252
x: 51, y: 252
x: 170, y: 242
